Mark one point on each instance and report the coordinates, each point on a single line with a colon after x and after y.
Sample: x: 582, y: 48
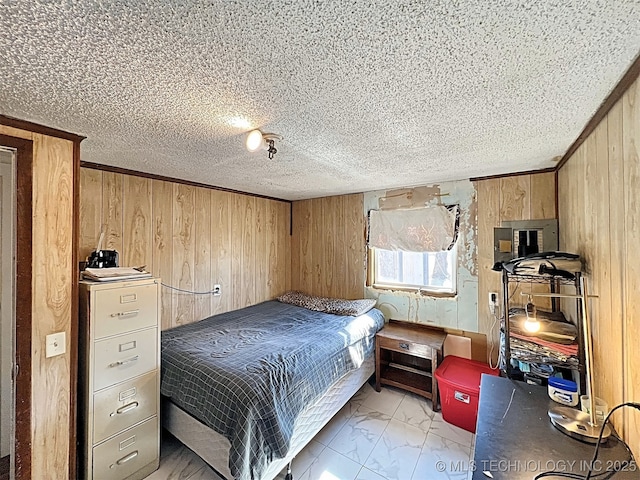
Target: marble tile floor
x: 392, y: 435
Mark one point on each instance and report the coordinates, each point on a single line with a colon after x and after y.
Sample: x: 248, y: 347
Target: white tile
x: 336, y: 423
x: 442, y: 459
x: 452, y: 432
x: 303, y: 460
x: 415, y: 410
x: 182, y: 464
x: 396, y: 453
x: 386, y: 401
x: 366, y: 474
x: 362, y: 394
x: 360, y: 434
x: 330, y: 465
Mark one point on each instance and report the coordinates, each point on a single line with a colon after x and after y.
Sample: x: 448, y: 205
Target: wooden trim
x: 126, y: 171
x: 36, y: 128
x: 514, y: 174
x: 623, y: 85
x: 24, y: 259
x: 73, y: 335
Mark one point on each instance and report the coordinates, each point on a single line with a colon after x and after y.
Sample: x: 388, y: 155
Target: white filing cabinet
x: 119, y: 371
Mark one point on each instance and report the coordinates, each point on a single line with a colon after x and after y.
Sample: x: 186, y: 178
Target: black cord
x: 595, y: 453
x: 604, y: 475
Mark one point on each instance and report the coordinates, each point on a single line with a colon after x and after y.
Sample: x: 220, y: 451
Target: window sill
x: 413, y: 290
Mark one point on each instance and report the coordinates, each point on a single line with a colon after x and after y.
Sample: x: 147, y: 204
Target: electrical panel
x: 523, y: 237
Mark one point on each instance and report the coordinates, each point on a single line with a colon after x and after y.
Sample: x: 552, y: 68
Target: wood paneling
x: 112, y: 194
x: 328, y: 246
x: 162, y: 242
x: 515, y: 198
x: 202, y: 267
x: 137, y: 222
x: 51, y: 303
x: 221, y: 250
x: 90, y: 212
x: 488, y: 192
x: 183, y: 253
x: 524, y: 197
x: 599, y: 215
x: 631, y: 330
x: 192, y: 238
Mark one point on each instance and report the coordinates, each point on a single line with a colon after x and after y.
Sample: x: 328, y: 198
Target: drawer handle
x: 124, y: 409
x: 125, y: 361
x: 404, y: 346
x: 125, y: 459
x: 129, y: 313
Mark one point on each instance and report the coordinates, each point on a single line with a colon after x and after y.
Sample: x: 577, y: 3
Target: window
x: 432, y: 271
x: 414, y: 249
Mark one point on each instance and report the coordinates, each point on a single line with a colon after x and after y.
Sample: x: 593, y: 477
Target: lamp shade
x: 255, y: 140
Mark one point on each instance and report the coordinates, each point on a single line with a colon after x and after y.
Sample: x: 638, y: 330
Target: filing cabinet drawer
x: 123, y: 357
x: 123, y: 405
x: 121, y: 310
x: 128, y: 452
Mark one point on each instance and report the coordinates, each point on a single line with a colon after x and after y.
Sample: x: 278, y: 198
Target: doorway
x: 7, y: 311
x: 21, y: 192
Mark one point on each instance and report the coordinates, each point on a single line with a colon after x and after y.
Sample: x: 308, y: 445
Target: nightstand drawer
x: 405, y: 346
x: 123, y: 357
x: 127, y: 452
x: 123, y: 405
x: 122, y: 310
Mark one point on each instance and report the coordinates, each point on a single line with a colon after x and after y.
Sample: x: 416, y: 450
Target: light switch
x: 56, y: 344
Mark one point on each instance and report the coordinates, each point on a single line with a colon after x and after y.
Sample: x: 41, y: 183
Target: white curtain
x: 429, y: 229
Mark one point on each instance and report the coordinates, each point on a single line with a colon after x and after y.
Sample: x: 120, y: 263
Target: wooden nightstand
x: 407, y: 354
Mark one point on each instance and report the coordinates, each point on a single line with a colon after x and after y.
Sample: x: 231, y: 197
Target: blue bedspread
x: 248, y: 373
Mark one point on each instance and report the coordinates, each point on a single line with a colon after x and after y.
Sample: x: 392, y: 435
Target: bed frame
x: 213, y: 448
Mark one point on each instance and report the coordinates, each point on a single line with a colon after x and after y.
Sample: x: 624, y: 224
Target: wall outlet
x: 217, y: 290
x: 493, y: 302
x: 56, y: 344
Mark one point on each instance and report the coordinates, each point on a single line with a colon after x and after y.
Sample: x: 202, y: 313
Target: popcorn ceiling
x: 368, y: 95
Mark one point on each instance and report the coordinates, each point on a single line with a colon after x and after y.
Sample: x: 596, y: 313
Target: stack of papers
x: 114, y: 273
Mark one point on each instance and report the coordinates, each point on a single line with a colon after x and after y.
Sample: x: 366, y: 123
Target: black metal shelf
x: 554, y: 282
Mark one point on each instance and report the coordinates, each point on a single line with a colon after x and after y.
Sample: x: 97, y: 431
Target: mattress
x: 213, y: 448
x: 248, y: 374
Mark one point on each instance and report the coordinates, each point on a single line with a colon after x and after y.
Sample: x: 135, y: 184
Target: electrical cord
x: 604, y: 475
x: 210, y: 292
x: 595, y: 453
x: 493, y: 342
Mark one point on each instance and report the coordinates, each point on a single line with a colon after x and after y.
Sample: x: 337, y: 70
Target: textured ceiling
x: 367, y: 94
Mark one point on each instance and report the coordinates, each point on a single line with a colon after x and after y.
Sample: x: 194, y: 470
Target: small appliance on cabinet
x: 119, y: 373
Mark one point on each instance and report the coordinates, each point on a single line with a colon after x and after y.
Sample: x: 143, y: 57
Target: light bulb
x: 255, y: 141
x: 531, y: 326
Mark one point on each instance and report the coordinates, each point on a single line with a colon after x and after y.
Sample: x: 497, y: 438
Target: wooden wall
x: 328, y: 246
x: 52, y: 285
x: 599, y: 213
x: 192, y: 237
x: 521, y: 197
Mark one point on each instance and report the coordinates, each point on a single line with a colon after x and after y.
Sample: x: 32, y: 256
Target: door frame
x: 23, y: 309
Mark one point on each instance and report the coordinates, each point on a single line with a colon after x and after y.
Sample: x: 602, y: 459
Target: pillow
x: 336, y: 306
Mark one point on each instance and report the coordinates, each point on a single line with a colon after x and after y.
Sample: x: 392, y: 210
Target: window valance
x: 429, y: 229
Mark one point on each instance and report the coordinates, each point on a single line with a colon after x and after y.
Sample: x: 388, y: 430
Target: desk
x: 516, y: 441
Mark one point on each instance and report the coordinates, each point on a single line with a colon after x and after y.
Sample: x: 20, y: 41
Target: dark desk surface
x: 515, y: 439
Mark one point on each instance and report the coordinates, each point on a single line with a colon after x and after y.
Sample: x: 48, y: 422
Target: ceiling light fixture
x: 256, y: 140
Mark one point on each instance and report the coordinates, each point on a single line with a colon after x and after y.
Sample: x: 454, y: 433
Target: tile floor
x: 391, y: 435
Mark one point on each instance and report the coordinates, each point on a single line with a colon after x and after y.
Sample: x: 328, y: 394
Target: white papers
x: 114, y: 273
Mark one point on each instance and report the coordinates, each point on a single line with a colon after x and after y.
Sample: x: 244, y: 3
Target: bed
x: 247, y: 389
